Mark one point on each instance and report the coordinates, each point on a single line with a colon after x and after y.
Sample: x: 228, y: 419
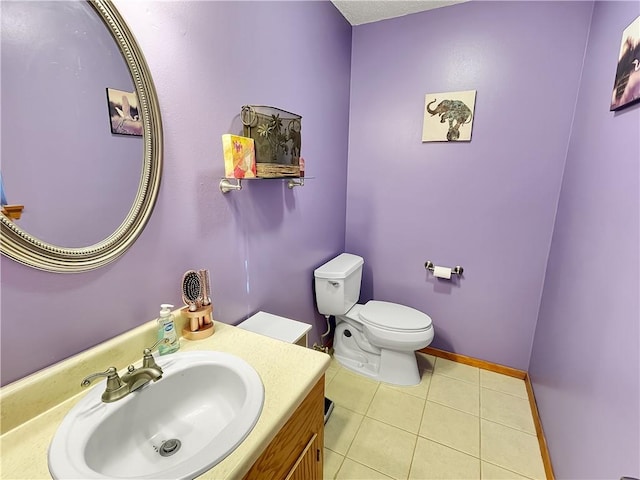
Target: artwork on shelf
x: 239, y: 156
x: 448, y: 117
x: 278, y: 139
x: 626, y: 88
x: 123, y: 113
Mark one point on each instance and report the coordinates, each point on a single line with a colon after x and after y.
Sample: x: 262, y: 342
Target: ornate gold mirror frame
x: 18, y: 245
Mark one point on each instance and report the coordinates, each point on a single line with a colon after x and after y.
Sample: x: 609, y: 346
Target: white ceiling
x: 358, y: 12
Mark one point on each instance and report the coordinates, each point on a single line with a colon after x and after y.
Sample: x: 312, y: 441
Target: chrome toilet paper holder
x: 457, y: 270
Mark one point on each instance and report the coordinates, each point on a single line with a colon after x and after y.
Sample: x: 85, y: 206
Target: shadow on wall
x: 255, y: 209
x: 366, y: 289
x: 442, y: 340
x: 442, y: 285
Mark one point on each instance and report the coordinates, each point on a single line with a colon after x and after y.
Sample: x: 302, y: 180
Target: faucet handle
x: 113, y: 380
x: 147, y: 360
x: 115, y: 388
x: 147, y: 351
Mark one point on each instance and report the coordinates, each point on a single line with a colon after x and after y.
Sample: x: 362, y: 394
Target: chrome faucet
x: 131, y: 381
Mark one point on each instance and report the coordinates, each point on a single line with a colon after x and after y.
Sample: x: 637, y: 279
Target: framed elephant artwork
x: 448, y: 117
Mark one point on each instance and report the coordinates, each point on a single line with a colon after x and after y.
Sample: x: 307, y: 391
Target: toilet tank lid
x: 339, y: 267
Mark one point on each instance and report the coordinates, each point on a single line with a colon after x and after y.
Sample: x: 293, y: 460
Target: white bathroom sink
x: 208, y: 401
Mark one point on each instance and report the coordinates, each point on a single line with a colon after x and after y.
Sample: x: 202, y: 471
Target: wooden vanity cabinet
x: 297, y: 451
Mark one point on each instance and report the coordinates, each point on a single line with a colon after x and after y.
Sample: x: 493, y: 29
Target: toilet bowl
x: 377, y: 339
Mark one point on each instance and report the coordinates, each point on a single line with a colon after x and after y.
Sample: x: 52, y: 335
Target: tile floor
x: 460, y: 422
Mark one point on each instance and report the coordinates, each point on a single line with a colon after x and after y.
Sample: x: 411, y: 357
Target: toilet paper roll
x: 442, y: 272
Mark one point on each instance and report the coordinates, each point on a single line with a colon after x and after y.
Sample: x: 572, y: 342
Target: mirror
x: 87, y: 192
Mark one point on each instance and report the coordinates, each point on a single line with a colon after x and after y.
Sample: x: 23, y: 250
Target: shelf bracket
x: 227, y: 186
x: 295, y: 183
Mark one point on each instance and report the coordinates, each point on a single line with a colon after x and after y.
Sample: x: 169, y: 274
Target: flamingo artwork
x: 123, y: 113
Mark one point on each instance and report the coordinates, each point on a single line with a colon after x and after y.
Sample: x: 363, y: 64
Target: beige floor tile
x: 332, y: 463
x: 456, y: 370
x: 425, y: 361
x: 503, y: 383
x: 384, y: 448
x: 511, y: 449
x: 334, y: 366
x: 328, y: 376
x: 507, y: 409
x: 351, y: 391
x: 351, y: 470
x: 340, y: 429
x: 434, y: 461
x: 455, y: 393
x: 452, y: 428
x: 421, y: 390
x: 397, y: 408
x: 488, y: 471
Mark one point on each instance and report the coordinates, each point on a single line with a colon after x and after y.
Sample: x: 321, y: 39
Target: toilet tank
x: 338, y: 284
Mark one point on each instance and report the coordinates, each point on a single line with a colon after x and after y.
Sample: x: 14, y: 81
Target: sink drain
x: 170, y: 447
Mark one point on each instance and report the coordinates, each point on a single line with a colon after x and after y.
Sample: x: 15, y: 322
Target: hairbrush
x: 192, y: 290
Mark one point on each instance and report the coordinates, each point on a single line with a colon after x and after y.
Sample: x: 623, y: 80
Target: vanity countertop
x: 288, y: 373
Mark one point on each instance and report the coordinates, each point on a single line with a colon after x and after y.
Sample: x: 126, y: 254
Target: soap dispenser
x: 167, y: 331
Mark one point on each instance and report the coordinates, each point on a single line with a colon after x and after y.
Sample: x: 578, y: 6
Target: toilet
x: 377, y: 339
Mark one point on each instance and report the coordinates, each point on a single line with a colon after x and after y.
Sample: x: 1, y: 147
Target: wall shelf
x: 227, y: 184
x: 14, y: 212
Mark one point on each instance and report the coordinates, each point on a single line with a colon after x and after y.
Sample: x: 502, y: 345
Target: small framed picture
x: 448, y: 117
x: 124, y: 115
x: 626, y: 88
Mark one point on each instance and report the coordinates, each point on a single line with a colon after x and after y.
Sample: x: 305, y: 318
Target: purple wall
x: 261, y: 244
x: 585, y: 363
x: 487, y: 205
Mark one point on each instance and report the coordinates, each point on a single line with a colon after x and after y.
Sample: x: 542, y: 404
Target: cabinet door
x: 281, y: 457
x: 309, y: 463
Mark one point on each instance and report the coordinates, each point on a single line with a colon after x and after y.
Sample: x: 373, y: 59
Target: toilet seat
x: 389, y: 333
x: 393, y: 317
